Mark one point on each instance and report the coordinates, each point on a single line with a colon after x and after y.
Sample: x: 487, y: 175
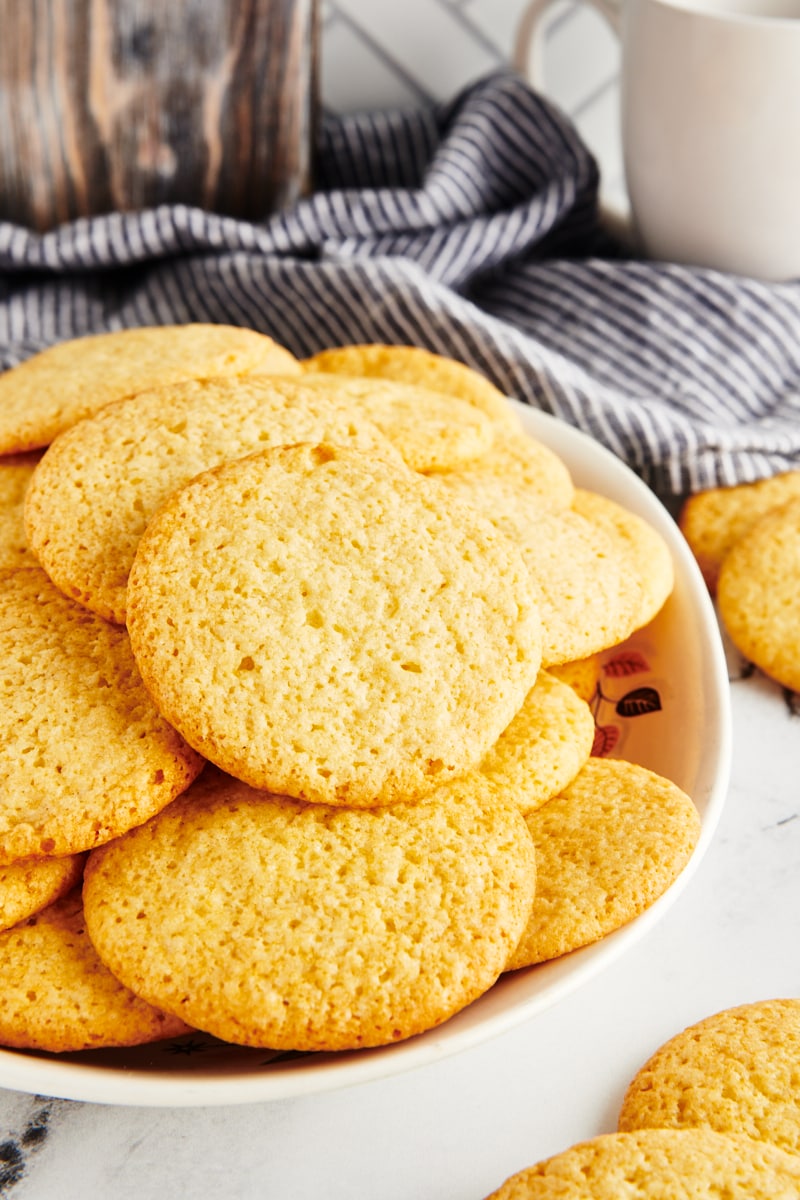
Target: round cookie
x: 85, y: 754
x: 328, y: 626
x: 58, y: 996
x: 33, y: 883
x: 735, y: 1072
x: 713, y: 520
x: 544, y: 747
x: 16, y: 471
x: 660, y: 1164
x: 584, y: 586
x: 582, y: 579
x: 606, y: 848
x: 757, y: 594
x: 269, y: 922
x: 411, y: 364
x: 100, y: 482
x: 69, y: 381
x: 643, y: 547
x: 433, y: 431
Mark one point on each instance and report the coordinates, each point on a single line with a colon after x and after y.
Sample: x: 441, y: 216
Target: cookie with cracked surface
x: 544, y: 747
x: 652, y: 1164
x: 331, y: 627
x: 269, y: 922
x: 735, y: 1072
x: 52, y: 390
x: 607, y: 847
x: 58, y: 996
x: 85, y: 753
x: 412, y: 364
x: 757, y: 594
x: 97, y: 486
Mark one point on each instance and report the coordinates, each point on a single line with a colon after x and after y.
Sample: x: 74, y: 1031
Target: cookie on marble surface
x: 330, y: 627
x: 16, y: 471
x: 269, y: 922
x: 97, y: 486
x: 85, y: 754
x: 58, y: 996
x: 735, y: 1072
x: 544, y: 747
x: 713, y: 520
x: 65, y: 383
x: 607, y: 847
x: 33, y: 883
x: 758, y: 593
x: 433, y: 431
x: 643, y: 547
x: 660, y: 1164
x: 412, y: 364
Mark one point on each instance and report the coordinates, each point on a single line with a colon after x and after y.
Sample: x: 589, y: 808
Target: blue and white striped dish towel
x: 470, y: 230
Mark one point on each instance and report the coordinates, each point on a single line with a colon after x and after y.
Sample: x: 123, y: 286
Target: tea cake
x: 735, y: 1072
x: 85, y: 753
x: 55, y: 388
x: 324, y: 625
x: 100, y: 482
x: 269, y: 922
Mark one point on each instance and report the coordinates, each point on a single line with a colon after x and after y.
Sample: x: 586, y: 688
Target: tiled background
x: 388, y: 53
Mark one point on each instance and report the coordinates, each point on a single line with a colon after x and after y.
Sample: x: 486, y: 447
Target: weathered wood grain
x: 126, y: 104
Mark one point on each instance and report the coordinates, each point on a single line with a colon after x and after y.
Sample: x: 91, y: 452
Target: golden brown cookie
x: 100, y: 482
x: 526, y: 469
x: 269, y: 922
x: 642, y: 546
x: 59, y: 386
x: 713, y: 520
x: 660, y: 1164
x: 433, y: 431
x: 85, y: 755
x: 585, y: 588
x: 58, y: 996
x: 735, y: 1072
x: 15, y: 475
x: 330, y: 627
x: 411, y: 364
x: 758, y: 593
x: 544, y: 747
x: 32, y: 883
x: 607, y: 847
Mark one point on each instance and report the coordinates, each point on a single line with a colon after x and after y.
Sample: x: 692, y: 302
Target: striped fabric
x: 469, y: 230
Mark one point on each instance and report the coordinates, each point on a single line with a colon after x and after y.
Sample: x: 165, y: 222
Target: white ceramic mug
x: 710, y: 127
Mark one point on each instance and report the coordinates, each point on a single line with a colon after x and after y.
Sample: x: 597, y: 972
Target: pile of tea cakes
x: 298, y: 655
x: 746, y: 539
x: 714, y: 1112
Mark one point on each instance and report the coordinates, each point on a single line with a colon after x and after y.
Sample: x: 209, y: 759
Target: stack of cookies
x: 714, y: 1112
x: 297, y: 748
x: 747, y: 543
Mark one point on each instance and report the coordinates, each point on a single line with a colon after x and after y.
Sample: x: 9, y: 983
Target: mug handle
x: 527, y: 60
x: 526, y: 57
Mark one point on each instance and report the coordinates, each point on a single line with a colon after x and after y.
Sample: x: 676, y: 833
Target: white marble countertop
x: 456, y: 1129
